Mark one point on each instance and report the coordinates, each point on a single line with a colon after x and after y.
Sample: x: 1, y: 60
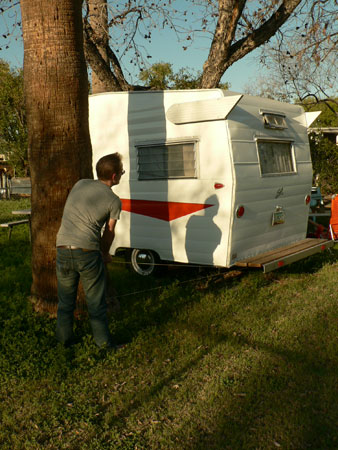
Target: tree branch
x: 99, y: 65
x: 112, y: 78
x: 219, y: 61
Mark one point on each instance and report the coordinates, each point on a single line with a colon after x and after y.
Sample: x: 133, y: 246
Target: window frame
x: 171, y: 142
x: 265, y: 113
x: 272, y: 140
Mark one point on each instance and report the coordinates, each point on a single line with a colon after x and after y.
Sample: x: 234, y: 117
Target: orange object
x: 334, y: 218
x: 161, y: 210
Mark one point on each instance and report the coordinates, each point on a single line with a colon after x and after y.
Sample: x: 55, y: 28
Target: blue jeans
x: 71, y: 266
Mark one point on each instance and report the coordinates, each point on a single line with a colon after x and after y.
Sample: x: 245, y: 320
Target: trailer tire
x: 143, y: 261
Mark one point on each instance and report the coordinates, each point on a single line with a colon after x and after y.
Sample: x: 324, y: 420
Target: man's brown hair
x: 108, y: 165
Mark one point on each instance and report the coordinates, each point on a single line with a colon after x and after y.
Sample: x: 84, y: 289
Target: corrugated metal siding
x: 254, y: 233
x: 203, y: 238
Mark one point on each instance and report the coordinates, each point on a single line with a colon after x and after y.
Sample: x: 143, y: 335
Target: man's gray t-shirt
x: 88, y: 207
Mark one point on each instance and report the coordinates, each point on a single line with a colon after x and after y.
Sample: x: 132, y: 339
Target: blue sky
x: 238, y: 75
x: 163, y: 48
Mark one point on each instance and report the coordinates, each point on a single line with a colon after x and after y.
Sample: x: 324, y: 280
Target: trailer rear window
x: 166, y: 161
x: 276, y: 158
x: 276, y: 121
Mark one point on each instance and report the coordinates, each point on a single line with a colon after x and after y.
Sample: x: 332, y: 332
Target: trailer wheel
x: 143, y: 262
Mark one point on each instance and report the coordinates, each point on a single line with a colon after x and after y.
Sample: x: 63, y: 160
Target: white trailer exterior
x: 212, y: 177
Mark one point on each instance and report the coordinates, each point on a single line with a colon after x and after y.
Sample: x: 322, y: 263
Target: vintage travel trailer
x: 212, y: 177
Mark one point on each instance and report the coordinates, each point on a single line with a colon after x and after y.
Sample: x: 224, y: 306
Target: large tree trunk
x: 56, y: 95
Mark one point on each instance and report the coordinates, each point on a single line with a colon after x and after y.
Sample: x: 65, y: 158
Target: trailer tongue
x: 283, y: 256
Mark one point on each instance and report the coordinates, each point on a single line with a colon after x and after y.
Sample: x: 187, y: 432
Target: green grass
x: 239, y: 363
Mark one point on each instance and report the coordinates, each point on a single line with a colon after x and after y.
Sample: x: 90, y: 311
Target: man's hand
x: 107, y: 258
x: 107, y: 239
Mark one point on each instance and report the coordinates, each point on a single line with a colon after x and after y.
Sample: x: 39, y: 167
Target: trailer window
x: 275, y: 157
x: 165, y: 161
x: 276, y: 121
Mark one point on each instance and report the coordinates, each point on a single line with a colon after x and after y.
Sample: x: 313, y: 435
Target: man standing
x: 82, y: 251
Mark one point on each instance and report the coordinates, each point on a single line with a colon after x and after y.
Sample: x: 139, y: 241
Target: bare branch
x: 215, y: 66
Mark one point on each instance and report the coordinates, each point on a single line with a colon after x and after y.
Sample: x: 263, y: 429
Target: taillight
x: 307, y: 199
x: 240, y: 211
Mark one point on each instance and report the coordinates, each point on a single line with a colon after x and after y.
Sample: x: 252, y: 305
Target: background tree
x: 162, y: 76
x: 301, y: 60
x: 13, y: 127
x: 324, y: 152
x: 97, y: 10
x: 329, y: 112
x: 128, y: 22
x: 231, y: 28
x: 234, y: 28
x: 158, y: 76
x: 56, y: 95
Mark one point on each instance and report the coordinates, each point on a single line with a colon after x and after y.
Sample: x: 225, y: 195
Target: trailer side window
x: 166, y: 161
x: 275, y: 157
x: 276, y: 121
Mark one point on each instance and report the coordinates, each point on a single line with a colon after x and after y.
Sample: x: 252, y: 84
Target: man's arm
x: 107, y: 239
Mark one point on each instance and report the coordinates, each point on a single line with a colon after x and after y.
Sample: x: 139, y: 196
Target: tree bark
x: 223, y: 52
x: 98, y: 65
x: 98, y: 15
x: 107, y: 74
x: 56, y: 96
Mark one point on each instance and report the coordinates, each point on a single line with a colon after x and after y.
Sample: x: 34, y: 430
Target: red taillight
x: 240, y: 211
x: 307, y: 199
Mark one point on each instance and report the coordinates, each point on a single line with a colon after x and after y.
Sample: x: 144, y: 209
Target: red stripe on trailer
x: 162, y: 210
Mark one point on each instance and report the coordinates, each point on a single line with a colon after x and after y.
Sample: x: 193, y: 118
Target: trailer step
x: 286, y: 255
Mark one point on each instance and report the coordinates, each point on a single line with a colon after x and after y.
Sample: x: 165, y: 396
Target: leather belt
x: 72, y: 247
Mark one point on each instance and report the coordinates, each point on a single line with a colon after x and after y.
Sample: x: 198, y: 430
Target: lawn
x: 213, y: 360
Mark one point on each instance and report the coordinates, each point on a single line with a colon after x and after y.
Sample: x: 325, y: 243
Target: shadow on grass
x: 267, y: 394
x: 15, y: 263
x: 145, y: 302
x: 152, y: 301
x: 149, y: 302
x: 287, y: 399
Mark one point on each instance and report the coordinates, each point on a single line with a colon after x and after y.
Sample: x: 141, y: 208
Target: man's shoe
x: 115, y: 347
